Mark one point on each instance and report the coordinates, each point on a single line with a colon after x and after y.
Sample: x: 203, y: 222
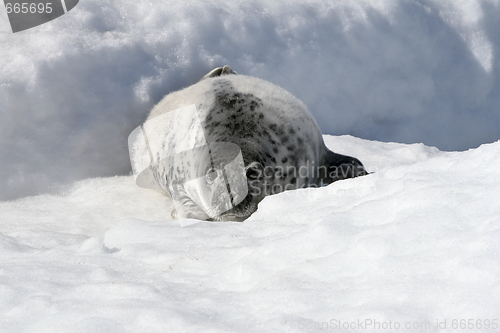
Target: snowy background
x: 72, y: 90
x: 415, y: 242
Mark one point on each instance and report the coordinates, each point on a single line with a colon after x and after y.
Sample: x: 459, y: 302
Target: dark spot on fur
x: 238, y: 122
x: 284, y: 160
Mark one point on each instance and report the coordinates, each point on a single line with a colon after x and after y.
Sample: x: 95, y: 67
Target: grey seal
x: 264, y: 132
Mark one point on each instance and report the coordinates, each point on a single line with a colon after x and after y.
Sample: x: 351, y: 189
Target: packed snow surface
x: 406, y: 71
x: 413, y: 243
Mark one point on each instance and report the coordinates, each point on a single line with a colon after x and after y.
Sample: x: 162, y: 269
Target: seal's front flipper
x: 219, y: 71
x: 340, y: 167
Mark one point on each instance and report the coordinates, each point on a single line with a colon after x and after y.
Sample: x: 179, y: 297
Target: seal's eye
x: 211, y: 175
x: 252, y: 173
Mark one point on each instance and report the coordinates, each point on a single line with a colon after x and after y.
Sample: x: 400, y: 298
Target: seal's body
x: 280, y: 142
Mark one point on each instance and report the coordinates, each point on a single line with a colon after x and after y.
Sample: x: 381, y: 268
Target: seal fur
x: 275, y: 131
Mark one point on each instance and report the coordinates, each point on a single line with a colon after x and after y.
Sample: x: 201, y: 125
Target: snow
x: 73, y: 89
x: 411, y: 88
x: 416, y: 242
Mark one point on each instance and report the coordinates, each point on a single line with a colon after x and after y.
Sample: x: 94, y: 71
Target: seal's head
x: 207, y: 182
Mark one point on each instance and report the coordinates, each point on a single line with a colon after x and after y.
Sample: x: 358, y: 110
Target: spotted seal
x: 264, y: 132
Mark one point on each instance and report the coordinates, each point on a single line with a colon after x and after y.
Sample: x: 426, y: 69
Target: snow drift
x: 415, y: 243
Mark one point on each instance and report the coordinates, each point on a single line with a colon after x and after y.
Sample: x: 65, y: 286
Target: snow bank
x: 415, y: 243
x: 406, y: 71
